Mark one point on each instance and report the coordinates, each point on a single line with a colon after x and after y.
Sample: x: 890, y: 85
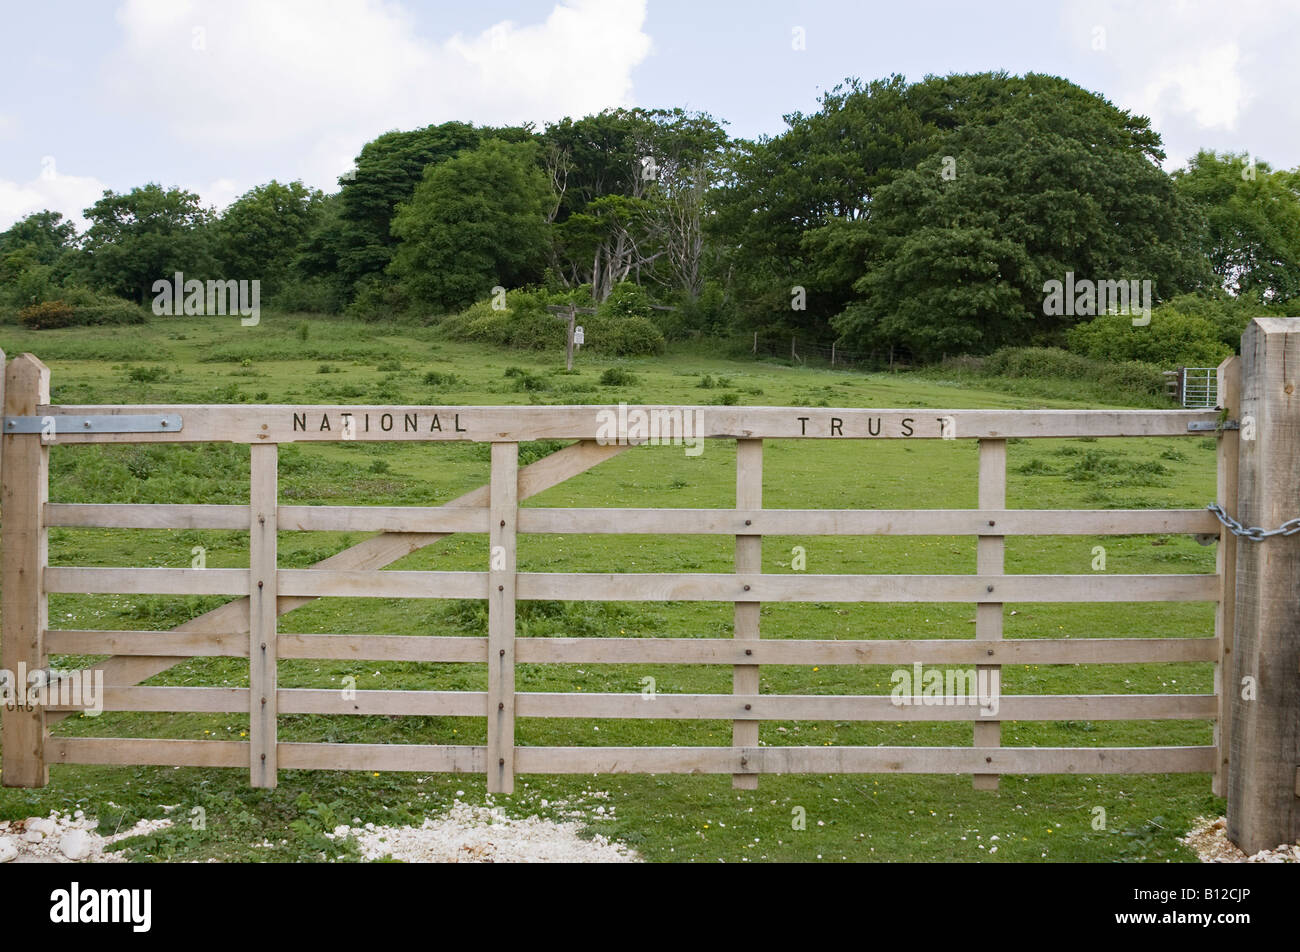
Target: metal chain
x: 1254, y: 533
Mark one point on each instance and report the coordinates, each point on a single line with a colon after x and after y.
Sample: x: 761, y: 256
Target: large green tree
x: 387, y: 171
x: 1251, y: 215
x: 145, y: 235
x: 475, y: 222
x: 263, y: 230
x: 630, y: 187
x: 44, y: 234
x: 1037, y: 178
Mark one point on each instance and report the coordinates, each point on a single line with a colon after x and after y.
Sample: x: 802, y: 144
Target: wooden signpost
x: 569, y: 313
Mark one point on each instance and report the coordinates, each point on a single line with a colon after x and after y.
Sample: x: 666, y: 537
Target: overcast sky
x: 220, y: 95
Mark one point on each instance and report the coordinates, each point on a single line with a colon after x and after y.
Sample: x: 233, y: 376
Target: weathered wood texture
x: 1264, y: 724
x: 619, y: 425
x: 25, y: 462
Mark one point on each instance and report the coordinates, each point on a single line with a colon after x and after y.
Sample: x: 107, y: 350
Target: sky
x: 218, y: 96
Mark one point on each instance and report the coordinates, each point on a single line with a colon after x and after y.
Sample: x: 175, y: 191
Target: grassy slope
x: 666, y: 818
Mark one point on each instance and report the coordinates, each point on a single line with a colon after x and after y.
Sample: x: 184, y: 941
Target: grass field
x: 294, y: 359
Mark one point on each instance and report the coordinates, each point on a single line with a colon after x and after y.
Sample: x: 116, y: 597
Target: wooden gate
x: 248, y: 626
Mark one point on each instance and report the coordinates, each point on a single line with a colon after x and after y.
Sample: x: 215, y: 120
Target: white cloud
x: 69, y: 194
x: 1210, y: 89
x: 318, y: 78
x: 1205, y: 73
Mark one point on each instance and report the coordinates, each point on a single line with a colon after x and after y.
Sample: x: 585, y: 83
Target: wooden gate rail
x: 249, y: 628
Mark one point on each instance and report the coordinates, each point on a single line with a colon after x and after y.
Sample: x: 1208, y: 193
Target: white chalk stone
x: 7, y: 849
x: 74, y: 844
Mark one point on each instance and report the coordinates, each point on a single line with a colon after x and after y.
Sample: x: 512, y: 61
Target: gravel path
x: 469, y: 834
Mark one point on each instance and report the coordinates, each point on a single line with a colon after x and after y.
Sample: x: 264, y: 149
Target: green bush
x: 1172, y: 339
x: 46, y: 315
x: 78, y: 308
x: 617, y: 377
x: 525, y: 324
x: 1052, y: 363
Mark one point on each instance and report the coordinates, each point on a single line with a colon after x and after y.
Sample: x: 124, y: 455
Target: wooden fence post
x: 24, y: 476
x: 1264, y: 746
x: 1226, y: 566
x: 990, y: 560
x: 749, y: 560
x: 263, y: 650
x: 504, y: 510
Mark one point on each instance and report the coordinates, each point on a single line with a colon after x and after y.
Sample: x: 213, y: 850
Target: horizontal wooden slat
x: 153, y: 752
x: 715, y: 760
x: 396, y: 703
x: 577, y: 586
x: 205, y: 700
x: 244, y: 423
x: 665, y: 521
x: 384, y: 518
x: 174, y: 644
x: 866, y: 588
x: 137, y: 516
x: 833, y: 760
x: 901, y: 651
x: 722, y: 651
x: 384, y: 647
x: 428, y: 758
x: 805, y: 522
x: 225, y: 700
x: 140, y: 581
x: 228, y: 700
x: 774, y: 707
x: 329, y: 583
x: 292, y: 756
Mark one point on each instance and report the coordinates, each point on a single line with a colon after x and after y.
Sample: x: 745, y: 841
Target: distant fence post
x: 1264, y: 747
x: 24, y: 478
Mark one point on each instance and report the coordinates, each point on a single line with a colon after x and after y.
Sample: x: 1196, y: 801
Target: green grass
x: 674, y: 818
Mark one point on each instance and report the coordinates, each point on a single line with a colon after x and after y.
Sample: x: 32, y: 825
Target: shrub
x: 1172, y: 339
x: 79, y: 307
x: 1054, y: 363
x: 525, y: 324
x: 617, y: 377
x: 47, y: 314
x: 436, y: 378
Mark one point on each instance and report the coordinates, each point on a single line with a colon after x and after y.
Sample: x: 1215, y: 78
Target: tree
x: 44, y: 233
x: 628, y: 192
x: 145, y: 235
x: 1037, y: 179
x: 475, y: 222
x: 36, y: 257
x: 1251, y: 232
x: 387, y: 172
x: 787, y: 214
x: 262, y: 231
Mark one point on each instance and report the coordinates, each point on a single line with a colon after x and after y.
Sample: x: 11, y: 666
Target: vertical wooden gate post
x: 749, y: 560
x: 1264, y: 747
x: 504, y: 511
x: 990, y: 560
x: 25, y: 476
x: 263, y: 650
x: 1226, y: 566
